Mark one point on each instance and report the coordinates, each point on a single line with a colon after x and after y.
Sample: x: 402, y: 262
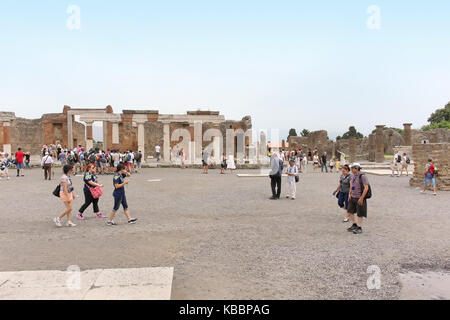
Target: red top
x: 19, y: 156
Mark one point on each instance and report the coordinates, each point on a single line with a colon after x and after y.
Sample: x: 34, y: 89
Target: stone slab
x: 123, y: 284
x: 425, y: 286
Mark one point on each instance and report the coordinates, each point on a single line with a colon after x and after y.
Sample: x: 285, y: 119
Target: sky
x: 287, y: 64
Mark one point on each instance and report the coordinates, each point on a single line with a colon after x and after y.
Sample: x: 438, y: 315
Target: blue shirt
x: 119, y: 179
x: 86, y: 178
x: 280, y: 168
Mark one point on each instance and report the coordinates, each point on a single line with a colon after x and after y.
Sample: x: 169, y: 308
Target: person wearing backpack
x: 357, y: 203
x: 396, y: 163
x: 405, y: 162
x: 138, y: 159
x: 430, y: 176
x: 4, y: 165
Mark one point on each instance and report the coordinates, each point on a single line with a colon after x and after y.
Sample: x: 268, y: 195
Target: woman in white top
x: 66, y: 195
x: 230, y: 163
x: 291, y: 171
x: 316, y: 161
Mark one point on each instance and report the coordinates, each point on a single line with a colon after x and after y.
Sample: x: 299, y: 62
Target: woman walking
x: 119, y: 183
x: 66, y: 195
x: 223, y: 165
x: 90, y: 182
x: 343, y: 189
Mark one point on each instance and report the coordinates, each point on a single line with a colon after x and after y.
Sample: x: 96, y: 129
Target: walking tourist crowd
x: 352, y: 191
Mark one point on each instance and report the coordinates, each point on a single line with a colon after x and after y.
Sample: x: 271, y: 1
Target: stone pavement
x: 226, y: 240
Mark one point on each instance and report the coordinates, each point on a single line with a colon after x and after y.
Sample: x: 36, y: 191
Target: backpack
x: 432, y: 169
x: 408, y: 160
x: 399, y: 159
x: 92, y: 158
x: 369, y: 192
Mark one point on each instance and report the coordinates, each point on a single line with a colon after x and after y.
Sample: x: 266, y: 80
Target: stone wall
x: 433, y: 136
x: 315, y: 139
x: 154, y: 135
x: 26, y: 134
x: 440, y: 153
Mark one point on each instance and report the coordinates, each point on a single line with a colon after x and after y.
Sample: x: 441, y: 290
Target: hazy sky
x: 288, y: 64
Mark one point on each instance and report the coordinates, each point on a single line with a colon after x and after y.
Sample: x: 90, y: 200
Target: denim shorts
x: 120, y: 199
x: 19, y: 165
x: 343, y: 200
x: 428, y: 179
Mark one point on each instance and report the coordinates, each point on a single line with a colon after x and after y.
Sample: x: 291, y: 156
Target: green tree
x: 440, y: 115
x: 304, y: 133
x: 443, y: 124
x: 292, y: 133
x: 352, y: 132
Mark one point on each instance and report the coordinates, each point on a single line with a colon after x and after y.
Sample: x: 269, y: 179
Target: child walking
x: 119, y: 183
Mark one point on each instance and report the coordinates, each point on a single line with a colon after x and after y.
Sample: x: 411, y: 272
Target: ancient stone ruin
x: 137, y: 130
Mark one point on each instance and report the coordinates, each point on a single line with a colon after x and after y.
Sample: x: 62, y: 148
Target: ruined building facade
x: 130, y: 130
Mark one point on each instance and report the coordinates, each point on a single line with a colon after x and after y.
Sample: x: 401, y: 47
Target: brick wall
x: 440, y: 153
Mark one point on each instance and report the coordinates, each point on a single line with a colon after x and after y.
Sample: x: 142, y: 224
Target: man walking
x: 276, y: 166
x: 47, y: 162
x: 430, y: 176
x: 323, y: 161
x: 359, y: 187
x: 19, y: 156
x: 396, y: 163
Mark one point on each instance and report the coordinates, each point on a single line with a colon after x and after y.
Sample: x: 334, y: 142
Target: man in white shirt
x: 396, y: 163
x: 47, y: 163
x: 158, y: 152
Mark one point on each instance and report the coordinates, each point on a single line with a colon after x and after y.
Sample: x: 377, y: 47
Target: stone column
x: 379, y: 152
x: 7, y: 137
x: 372, y: 147
x: 352, y: 149
x: 407, y: 133
x: 198, y: 138
x: 105, y: 135
x: 69, y: 131
x: 262, y: 152
x: 89, y: 135
x: 115, y: 133
x: 141, y: 139
x: 166, y: 145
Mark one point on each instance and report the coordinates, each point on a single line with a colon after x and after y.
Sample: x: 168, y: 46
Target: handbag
x: 96, y: 192
x: 297, y: 178
x: 57, y: 191
x: 337, y: 194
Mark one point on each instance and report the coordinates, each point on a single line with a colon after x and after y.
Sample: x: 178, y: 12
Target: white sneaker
x: 422, y: 191
x: 434, y: 193
x: 70, y: 224
x: 57, y: 221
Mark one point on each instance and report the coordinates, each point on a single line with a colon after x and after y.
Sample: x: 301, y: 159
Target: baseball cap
x: 356, y: 165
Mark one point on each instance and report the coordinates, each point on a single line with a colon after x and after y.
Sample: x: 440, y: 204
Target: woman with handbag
x: 66, y: 195
x: 92, y: 192
x: 342, y: 191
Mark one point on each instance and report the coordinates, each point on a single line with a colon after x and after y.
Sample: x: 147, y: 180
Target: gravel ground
x: 227, y: 240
